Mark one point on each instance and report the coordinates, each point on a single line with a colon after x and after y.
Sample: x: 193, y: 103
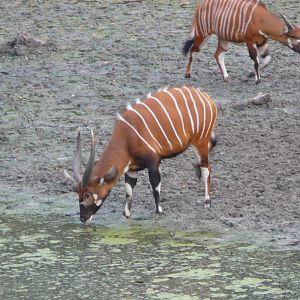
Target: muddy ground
x: 95, y: 57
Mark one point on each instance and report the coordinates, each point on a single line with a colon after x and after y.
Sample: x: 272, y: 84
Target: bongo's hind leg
x: 198, y: 42
x: 220, y: 57
x: 203, y: 170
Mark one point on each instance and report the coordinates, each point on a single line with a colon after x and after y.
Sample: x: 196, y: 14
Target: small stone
x: 260, y: 99
x: 183, y: 3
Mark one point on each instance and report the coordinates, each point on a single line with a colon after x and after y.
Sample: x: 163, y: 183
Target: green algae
x: 115, y: 241
x: 179, y: 243
x: 143, y: 255
x: 266, y: 290
x: 42, y: 256
x: 171, y: 296
x: 198, y: 273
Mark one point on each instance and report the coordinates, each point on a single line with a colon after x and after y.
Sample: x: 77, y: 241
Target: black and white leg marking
x: 205, y: 175
x: 130, y: 182
x: 252, y: 48
x: 155, y: 181
x: 264, y: 58
x: 264, y: 55
x: 203, y: 172
x: 220, y: 57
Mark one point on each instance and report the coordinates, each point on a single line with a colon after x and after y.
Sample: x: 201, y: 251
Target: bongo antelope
x: 161, y: 126
x: 239, y: 21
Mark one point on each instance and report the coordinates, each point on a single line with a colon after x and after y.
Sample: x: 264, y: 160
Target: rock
x: 294, y: 243
x: 21, y: 45
x: 260, y: 99
x: 183, y: 3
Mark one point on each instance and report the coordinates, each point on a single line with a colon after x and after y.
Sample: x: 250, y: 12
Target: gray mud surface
x: 96, y: 56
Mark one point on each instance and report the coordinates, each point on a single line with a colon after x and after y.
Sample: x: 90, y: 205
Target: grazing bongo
x: 239, y: 21
x: 161, y: 126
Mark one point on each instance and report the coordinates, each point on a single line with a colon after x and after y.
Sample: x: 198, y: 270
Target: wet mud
x: 97, y: 56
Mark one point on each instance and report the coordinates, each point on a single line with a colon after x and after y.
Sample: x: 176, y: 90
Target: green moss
x: 198, y: 273
x: 173, y: 296
x: 117, y: 241
x: 240, y: 285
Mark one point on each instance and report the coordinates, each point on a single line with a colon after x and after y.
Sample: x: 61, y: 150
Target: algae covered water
x: 43, y: 257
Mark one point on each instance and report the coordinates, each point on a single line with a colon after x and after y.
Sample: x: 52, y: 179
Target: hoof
x: 257, y: 81
x: 187, y: 76
x: 126, y: 215
x: 226, y: 79
x: 207, y: 204
x: 159, y: 210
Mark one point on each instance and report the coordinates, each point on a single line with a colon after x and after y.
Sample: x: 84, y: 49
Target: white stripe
x: 228, y: 23
x: 224, y: 20
x: 200, y: 23
x: 234, y: 20
x: 137, y: 133
x: 215, y: 5
x: 204, y: 113
x: 219, y: 15
x: 250, y: 17
x: 245, y: 16
x: 165, y: 111
x: 219, y: 3
x: 195, y: 30
x: 143, y: 120
x: 192, y: 36
x: 211, y: 112
x: 178, y: 110
x: 215, y: 14
x: 208, y: 19
x: 159, y: 125
x: 187, y: 107
x: 263, y: 34
x: 203, y: 19
x: 195, y: 107
x: 243, y: 11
